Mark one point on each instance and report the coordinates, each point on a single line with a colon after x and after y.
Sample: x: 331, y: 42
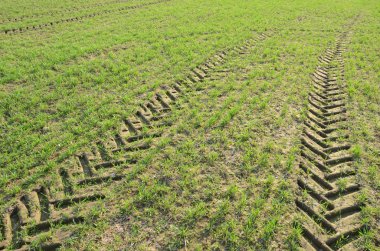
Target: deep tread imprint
x: 44, y: 207
x: 325, y: 159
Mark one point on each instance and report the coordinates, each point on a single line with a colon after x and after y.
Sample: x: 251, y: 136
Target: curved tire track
x: 108, y: 161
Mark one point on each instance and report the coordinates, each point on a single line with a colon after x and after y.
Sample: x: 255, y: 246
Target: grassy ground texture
x: 221, y: 174
x: 86, y: 80
x: 362, y: 67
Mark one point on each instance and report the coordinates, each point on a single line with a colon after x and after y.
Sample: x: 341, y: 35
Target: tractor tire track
x: 82, y: 178
x: 62, y: 12
x: 77, y: 19
x: 328, y: 189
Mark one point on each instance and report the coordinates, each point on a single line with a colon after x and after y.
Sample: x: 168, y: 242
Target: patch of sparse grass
x: 342, y: 183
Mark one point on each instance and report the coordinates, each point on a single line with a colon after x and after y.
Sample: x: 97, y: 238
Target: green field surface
x: 189, y: 125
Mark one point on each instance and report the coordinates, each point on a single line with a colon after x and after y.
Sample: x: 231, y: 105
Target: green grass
x: 362, y: 70
x: 81, y: 88
x: 222, y: 176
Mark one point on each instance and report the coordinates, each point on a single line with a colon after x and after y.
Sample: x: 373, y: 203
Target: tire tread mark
x: 101, y: 162
x: 325, y: 159
x: 77, y: 19
x: 62, y: 11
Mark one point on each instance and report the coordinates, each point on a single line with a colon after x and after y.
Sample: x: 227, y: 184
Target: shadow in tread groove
x: 325, y: 159
x: 105, y: 161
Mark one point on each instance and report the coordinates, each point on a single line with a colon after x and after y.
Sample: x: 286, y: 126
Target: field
x: 189, y: 125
